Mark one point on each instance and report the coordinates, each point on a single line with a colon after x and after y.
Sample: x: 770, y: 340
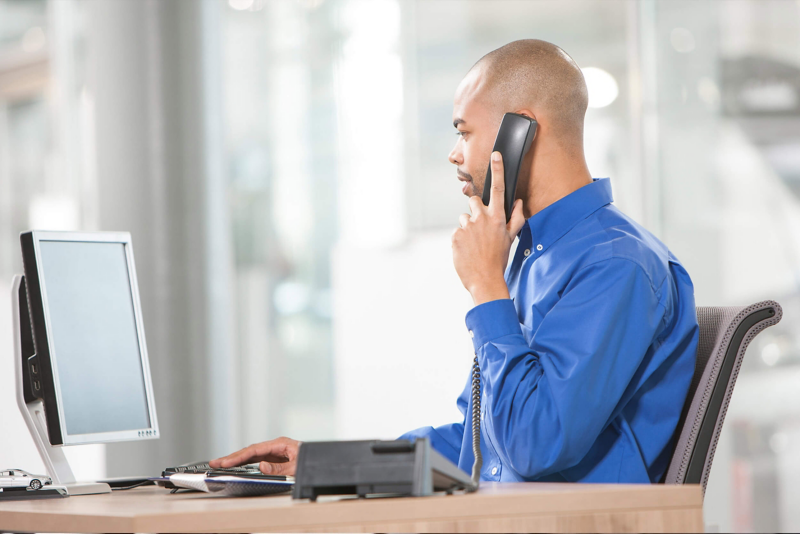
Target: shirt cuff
x: 491, y: 320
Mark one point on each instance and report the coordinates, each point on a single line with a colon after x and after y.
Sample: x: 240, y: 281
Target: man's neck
x: 554, y: 175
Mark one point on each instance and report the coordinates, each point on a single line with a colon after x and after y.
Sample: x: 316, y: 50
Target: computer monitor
x: 90, y: 366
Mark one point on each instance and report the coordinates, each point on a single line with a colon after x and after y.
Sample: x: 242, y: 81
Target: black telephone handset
x: 514, y: 139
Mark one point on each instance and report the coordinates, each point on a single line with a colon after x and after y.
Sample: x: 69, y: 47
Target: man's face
x: 477, y: 125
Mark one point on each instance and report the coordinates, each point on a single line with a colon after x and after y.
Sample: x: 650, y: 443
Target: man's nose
x: 456, y: 156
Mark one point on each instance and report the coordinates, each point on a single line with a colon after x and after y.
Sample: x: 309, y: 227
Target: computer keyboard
x: 246, y: 471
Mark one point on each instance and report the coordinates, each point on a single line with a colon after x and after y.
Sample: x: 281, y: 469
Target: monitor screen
x: 95, y: 350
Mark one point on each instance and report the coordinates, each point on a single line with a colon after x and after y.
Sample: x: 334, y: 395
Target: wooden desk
x: 533, y: 507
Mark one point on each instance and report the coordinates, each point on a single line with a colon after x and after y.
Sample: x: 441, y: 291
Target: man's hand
x: 481, y: 245
x: 275, y: 457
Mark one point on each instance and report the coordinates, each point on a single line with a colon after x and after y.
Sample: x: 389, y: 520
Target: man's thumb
x: 284, y: 468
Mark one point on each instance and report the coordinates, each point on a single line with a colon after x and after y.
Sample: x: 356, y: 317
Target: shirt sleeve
x: 548, y: 401
x: 446, y: 439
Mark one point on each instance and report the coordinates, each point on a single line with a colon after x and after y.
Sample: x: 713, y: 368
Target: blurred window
x: 45, y: 171
x: 282, y: 153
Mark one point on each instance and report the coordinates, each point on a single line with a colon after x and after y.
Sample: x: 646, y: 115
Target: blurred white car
x: 17, y: 478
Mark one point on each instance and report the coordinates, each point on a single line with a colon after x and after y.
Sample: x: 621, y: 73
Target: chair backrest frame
x: 705, y: 407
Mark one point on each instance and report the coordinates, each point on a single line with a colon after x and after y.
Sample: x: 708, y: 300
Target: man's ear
x: 527, y: 113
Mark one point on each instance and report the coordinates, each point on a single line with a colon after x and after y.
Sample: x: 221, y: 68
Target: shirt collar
x: 550, y: 224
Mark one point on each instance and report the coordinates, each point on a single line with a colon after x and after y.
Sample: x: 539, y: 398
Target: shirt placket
x: 519, y: 257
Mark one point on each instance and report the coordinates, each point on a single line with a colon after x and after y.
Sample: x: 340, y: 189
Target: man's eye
x: 459, y: 133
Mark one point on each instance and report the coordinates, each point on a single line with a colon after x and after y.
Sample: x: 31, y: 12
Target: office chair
x: 725, y: 333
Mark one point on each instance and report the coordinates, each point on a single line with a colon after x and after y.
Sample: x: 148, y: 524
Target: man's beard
x: 475, y: 188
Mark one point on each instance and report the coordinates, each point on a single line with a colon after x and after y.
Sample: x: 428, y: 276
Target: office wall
x: 283, y: 169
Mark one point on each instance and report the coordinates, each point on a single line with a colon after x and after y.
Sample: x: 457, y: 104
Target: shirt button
x: 471, y: 333
x: 494, y: 470
x: 527, y: 252
x: 539, y: 247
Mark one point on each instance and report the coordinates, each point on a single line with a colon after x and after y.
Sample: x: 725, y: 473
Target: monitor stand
x: 55, y: 462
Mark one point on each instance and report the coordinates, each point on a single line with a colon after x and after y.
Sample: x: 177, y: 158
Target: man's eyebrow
x: 458, y: 121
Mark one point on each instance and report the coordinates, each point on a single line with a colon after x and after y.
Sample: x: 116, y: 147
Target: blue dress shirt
x: 584, y: 371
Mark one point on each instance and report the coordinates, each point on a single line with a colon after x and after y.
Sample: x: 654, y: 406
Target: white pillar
x: 154, y: 74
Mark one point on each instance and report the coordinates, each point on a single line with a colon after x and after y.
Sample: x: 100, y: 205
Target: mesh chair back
x: 725, y: 333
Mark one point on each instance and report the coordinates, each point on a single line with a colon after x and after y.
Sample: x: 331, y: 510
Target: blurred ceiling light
x: 771, y: 353
x: 240, y: 5
x: 602, y: 86
x: 708, y: 91
x: 34, y: 39
x: 682, y: 40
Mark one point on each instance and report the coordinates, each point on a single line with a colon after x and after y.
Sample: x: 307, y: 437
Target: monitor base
x: 86, y: 488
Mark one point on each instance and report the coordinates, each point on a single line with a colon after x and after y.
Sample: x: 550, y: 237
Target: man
x: 587, y: 344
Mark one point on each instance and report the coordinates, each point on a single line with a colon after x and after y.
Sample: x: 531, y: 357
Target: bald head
x: 539, y: 76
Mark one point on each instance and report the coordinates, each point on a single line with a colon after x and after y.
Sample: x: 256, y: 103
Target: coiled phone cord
x: 476, y: 425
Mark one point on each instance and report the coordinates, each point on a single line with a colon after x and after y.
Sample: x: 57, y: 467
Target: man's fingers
x: 517, y: 219
x: 276, y: 451
x: 463, y: 219
x: 238, y: 458
x: 232, y: 459
x: 248, y: 454
x: 271, y: 468
x: 497, y: 194
x: 476, y: 205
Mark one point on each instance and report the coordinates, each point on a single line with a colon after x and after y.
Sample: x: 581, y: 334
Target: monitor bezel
x: 123, y: 238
